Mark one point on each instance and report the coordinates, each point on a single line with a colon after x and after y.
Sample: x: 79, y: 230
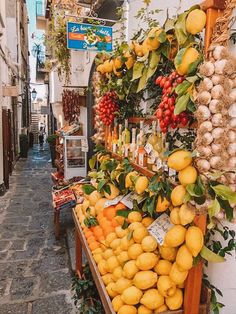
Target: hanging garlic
x: 219, y: 66
x: 217, y: 119
x: 216, y: 148
x: 207, y: 138
x: 203, y: 113
x: 206, y: 126
x: 216, y: 162
x: 218, y: 52
x: 213, y: 106
x: 232, y: 163
x: 207, y: 69
x: 204, y: 151
x: 232, y: 136
x: 232, y: 123
x: 217, y: 133
x: 203, y: 165
x: 220, y: 215
x: 232, y: 110
x: 204, y: 98
x: 231, y: 177
x: 232, y: 149
x: 217, y: 91
x: 233, y: 94
x: 207, y: 83
x: 216, y: 79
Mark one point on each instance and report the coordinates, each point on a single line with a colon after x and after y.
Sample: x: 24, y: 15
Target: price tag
x: 159, y: 163
x: 84, y: 144
x: 114, y: 201
x: 129, y: 198
x: 172, y: 172
x: 159, y: 228
x: 148, y: 147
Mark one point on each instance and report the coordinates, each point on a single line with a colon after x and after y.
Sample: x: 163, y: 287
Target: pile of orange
x: 107, y: 222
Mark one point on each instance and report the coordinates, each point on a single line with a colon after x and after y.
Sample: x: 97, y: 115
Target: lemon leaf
x: 214, y: 208
x: 225, y: 193
x: 88, y: 189
x: 137, y: 70
x: 179, y: 57
x: 101, y: 185
x: 142, y: 81
x: 180, y: 28
x: 181, y: 104
x: 154, y: 60
x: 211, y: 256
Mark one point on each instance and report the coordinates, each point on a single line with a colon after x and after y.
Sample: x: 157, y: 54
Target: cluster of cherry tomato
x: 107, y: 108
x: 165, y: 112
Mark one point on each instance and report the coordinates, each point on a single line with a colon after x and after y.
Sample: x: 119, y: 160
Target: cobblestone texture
x: 35, y: 275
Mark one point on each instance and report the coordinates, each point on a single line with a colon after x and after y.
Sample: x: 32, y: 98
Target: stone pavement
x: 35, y: 274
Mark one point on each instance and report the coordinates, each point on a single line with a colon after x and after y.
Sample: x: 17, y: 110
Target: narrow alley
x: 34, y: 267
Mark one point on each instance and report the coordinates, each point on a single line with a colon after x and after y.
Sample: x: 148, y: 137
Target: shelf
x: 74, y: 158
x: 144, y: 171
x: 106, y: 302
x: 145, y: 119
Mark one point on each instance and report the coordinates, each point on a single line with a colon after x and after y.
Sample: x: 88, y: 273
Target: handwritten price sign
x: 159, y: 228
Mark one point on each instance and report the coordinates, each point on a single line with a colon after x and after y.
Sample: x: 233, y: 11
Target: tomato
x: 173, y: 125
x: 171, y: 101
x: 167, y: 112
x: 158, y: 80
x: 167, y: 119
x: 164, y: 130
x: 166, y: 106
x: 159, y: 113
x: 184, y: 121
x: 169, y: 90
x: 162, y: 82
x: 167, y: 84
x: 180, y: 80
x: 161, y: 105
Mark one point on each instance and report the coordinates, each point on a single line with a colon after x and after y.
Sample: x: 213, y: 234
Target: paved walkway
x: 35, y: 275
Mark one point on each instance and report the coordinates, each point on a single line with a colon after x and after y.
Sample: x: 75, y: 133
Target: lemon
x: 144, y: 310
x: 168, y: 253
x: 194, y: 240
x: 117, y: 303
x: 152, y: 299
x: 112, y: 263
x: 190, y: 56
x: 128, y: 179
x: 111, y: 236
x: 147, y: 221
x: 123, y: 257
x: 187, y: 176
x: 130, y: 269
x: 176, y: 275
x: 174, y: 216
x: 186, y: 215
x: 120, y: 232
x: 85, y: 205
x: 184, y: 258
x: 149, y: 244
x: 134, y: 216
x: 110, y: 290
x: 107, y: 253
x: 166, y: 286
x: 97, y: 251
x: 94, y: 197
x: 117, y: 273
x: 162, y: 204
x: 115, y: 243
x: 114, y: 192
x: 135, y: 250
x: 179, y: 160
x: 122, y: 284
x: 131, y: 295
x: 107, y: 279
x: 139, y: 234
x: 175, y: 236
x: 145, y: 279
x: 195, y: 22
x: 99, y: 206
x: 120, y: 220
x: 141, y: 184
x: 161, y: 309
x: 127, y: 309
x: 175, y: 301
x: 102, y: 267
x: 118, y: 251
x: 163, y: 267
x: 152, y: 42
x: 125, y: 243
x: 177, y: 195
x: 135, y: 225
x: 146, y: 261
x: 97, y: 258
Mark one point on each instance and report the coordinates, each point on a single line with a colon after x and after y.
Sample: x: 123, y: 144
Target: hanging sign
x: 159, y: 228
x: 82, y: 36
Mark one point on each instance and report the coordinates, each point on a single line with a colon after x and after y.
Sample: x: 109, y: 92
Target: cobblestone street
x: 35, y: 275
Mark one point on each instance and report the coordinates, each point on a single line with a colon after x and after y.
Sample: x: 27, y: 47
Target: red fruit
x: 165, y: 99
x: 162, y: 82
x: 167, y: 84
x: 167, y: 120
x: 175, y: 84
x: 184, y: 121
x: 167, y: 112
x: 171, y: 101
x: 164, y: 130
x: 159, y: 113
x: 161, y: 105
x: 162, y: 124
x: 157, y: 82
x: 169, y: 90
x: 173, y: 125
x: 180, y: 80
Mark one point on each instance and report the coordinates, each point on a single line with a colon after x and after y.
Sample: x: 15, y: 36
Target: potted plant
x: 24, y: 145
x: 52, y: 145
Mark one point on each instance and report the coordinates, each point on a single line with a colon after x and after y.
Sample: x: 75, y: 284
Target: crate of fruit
x: 63, y: 199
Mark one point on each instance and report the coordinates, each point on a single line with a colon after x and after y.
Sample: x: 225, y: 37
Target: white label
x: 141, y: 160
x: 148, y: 147
x: 159, y: 228
x: 84, y: 144
x: 172, y: 172
x: 113, y: 202
x: 159, y: 163
x: 114, y: 147
x: 129, y: 198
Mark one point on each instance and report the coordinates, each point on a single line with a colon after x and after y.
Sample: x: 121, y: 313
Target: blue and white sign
x: 89, y: 37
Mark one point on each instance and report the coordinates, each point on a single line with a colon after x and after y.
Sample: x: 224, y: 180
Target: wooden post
x: 193, y: 284
x: 78, y: 255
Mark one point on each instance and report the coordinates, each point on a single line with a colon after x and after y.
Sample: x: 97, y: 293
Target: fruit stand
x: 154, y: 196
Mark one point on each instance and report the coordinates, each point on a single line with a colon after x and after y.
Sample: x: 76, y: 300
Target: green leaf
x: 169, y: 25
x: 211, y: 256
x: 182, y: 88
x: 101, y: 185
x: 125, y: 225
x: 130, y: 235
x: 121, y: 181
x: 193, y: 66
x: 191, y: 106
x: 154, y: 60
x: 225, y: 193
x: 142, y: 81
x: 122, y: 213
x: 192, y: 79
x: 149, y: 205
x: 179, y: 57
x: 227, y: 208
x: 180, y: 29
x: 143, y: 58
x: 181, y: 104
x: 92, y: 162
x: 137, y: 70
x: 191, y: 189
x: 151, y: 72
x: 107, y: 189
x: 214, y: 208
x: 88, y: 189
x: 162, y: 37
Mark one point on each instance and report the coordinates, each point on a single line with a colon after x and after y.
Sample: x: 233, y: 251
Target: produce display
x: 71, y: 102
x: 63, y: 199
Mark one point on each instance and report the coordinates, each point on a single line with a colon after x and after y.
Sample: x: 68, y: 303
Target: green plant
x: 86, y: 296
x: 51, y: 139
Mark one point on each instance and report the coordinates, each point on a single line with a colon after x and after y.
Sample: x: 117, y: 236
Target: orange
x: 114, y: 223
x: 98, y: 231
x: 108, y: 230
x: 100, y: 216
x: 101, y: 238
x: 91, y: 239
x: 105, y: 224
x: 120, y: 206
x: 111, y: 213
x: 88, y: 234
x: 120, y: 220
x: 102, y: 220
x: 94, y: 245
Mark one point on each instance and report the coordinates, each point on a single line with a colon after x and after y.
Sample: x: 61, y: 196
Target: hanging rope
x: 223, y: 24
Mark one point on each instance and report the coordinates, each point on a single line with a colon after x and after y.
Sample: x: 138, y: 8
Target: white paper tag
x: 172, y: 172
x: 84, y: 144
x: 129, y: 198
x: 148, y: 147
x: 115, y: 201
x: 159, y: 228
x: 159, y: 163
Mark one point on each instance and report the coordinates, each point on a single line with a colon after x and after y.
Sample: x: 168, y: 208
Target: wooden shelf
x: 144, y: 171
x: 145, y: 119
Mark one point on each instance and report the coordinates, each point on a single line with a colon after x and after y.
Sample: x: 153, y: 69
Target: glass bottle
x: 119, y: 144
x: 142, y: 154
x: 114, y: 139
x: 132, y: 148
